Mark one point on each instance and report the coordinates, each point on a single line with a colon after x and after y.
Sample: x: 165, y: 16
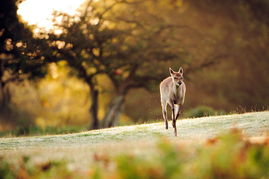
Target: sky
x: 39, y: 12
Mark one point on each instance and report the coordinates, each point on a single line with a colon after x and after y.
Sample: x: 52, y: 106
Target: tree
x: 128, y: 41
x: 19, y: 55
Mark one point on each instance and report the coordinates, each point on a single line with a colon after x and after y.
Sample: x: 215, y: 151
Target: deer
x: 172, y: 92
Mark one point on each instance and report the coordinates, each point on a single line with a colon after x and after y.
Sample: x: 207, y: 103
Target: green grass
x: 78, y: 149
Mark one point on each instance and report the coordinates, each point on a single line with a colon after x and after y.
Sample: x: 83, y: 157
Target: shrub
x: 228, y: 156
x: 36, y: 130
x: 25, y: 169
x: 202, y: 111
x: 6, y: 170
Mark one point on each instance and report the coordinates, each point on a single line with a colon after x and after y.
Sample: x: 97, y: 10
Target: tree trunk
x: 94, y: 108
x: 5, y: 99
x: 2, y: 95
x: 115, y: 107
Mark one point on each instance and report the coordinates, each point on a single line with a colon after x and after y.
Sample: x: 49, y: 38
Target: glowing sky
x: 39, y: 11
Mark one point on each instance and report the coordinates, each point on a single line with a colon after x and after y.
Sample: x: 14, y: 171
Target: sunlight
x: 39, y: 12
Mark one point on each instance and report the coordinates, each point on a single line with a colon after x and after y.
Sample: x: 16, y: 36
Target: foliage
x: 36, y: 130
x: 201, y: 111
x: 19, y: 55
x: 19, y: 50
x: 54, y: 100
x: 6, y: 170
x: 26, y: 169
x: 134, y: 48
x: 227, y: 156
x: 114, y: 46
x: 98, y: 42
x: 241, y: 28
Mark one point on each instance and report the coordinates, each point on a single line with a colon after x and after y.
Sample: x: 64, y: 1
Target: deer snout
x: 178, y: 84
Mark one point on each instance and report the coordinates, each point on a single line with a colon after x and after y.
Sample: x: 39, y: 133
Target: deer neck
x: 175, y: 88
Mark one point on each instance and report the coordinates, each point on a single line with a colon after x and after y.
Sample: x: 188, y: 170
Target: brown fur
x: 172, y: 91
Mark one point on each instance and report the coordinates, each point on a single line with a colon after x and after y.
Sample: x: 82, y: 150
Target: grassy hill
x: 79, y: 150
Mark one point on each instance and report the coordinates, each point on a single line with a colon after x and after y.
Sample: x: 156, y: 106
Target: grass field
x: 80, y: 150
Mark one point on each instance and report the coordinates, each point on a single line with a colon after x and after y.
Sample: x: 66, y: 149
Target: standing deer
x: 172, y: 90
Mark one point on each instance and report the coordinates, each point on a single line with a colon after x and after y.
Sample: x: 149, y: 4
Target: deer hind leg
x: 164, y: 111
x: 175, y: 129
x: 174, y: 118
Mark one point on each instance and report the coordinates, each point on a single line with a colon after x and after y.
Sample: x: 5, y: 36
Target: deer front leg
x: 173, y: 117
x: 177, y: 110
x: 174, y: 110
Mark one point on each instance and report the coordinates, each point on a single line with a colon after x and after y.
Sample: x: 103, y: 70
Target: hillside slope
x: 79, y: 148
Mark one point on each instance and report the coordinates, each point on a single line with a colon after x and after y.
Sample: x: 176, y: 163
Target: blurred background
x: 77, y: 65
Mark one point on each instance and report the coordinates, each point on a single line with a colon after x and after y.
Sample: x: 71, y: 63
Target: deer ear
x: 180, y: 70
x: 171, y: 71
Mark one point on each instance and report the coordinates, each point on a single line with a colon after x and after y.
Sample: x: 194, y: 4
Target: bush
x: 6, y: 170
x: 228, y: 156
x: 24, y: 168
x: 202, y: 111
x: 36, y: 130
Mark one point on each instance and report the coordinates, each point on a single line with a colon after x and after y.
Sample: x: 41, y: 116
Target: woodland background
x: 102, y: 67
